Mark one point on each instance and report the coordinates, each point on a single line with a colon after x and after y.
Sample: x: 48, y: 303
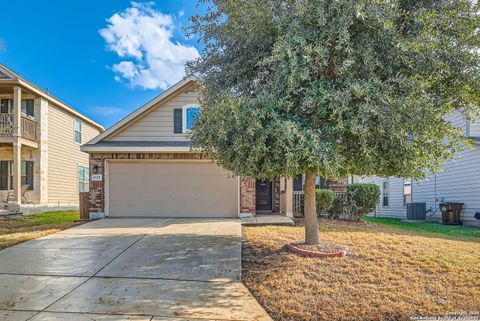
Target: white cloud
x: 107, y: 111
x: 143, y: 38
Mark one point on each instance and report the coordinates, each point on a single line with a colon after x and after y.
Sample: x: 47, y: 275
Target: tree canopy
x: 335, y: 87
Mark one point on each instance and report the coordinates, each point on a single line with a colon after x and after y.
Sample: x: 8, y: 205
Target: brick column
x: 247, y: 195
x: 97, y: 189
x: 338, y: 185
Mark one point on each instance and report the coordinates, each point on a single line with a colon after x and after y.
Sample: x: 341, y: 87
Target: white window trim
x: 184, y: 117
x: 411, y: 191
x: 87, y: 181
x: 388, y: 193
x: 75, y: 130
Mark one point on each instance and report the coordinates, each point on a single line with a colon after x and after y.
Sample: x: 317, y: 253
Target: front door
x: 264, y: 196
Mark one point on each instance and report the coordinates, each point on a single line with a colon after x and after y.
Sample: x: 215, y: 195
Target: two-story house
x: 143, y: 166
x: 41, y: 165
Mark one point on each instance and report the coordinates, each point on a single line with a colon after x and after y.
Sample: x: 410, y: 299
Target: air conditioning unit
x: 416, y: 211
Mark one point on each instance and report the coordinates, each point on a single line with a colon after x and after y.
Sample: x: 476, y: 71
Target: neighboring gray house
x: 459, y: 182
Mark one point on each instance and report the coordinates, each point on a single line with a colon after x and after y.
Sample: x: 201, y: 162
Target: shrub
x: 338, y: 207
x: 361, y: 199
x: 324, y: 200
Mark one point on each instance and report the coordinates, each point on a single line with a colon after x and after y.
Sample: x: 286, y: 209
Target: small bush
x: 324, y: 200
x: 338, y: 207
x: 361, y: 199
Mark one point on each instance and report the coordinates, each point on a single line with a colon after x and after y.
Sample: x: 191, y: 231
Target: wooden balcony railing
x: 6, y: 124
x: 28, y: 127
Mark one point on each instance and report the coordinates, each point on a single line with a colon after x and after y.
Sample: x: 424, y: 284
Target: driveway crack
x: 88, y: 278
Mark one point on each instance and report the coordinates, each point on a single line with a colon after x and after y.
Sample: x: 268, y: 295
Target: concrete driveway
x: 129, y: 269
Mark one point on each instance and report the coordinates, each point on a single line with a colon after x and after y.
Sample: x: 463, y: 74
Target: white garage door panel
x: 168, y: 189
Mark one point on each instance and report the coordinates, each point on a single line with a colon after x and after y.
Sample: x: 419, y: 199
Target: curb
x: 293, y: 247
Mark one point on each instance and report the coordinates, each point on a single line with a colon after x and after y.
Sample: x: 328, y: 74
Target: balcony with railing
x: 28, y: 127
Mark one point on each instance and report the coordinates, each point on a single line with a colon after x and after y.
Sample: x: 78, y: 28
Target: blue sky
x: 106, y: 57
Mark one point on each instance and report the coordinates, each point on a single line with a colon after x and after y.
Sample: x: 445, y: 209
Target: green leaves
x: 336, y: 87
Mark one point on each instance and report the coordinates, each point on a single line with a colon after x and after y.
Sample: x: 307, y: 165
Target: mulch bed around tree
x: 324, y: 249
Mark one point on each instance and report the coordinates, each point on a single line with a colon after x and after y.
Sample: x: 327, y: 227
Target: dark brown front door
x: 264, y: 196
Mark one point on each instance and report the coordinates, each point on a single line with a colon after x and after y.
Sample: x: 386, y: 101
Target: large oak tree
x: 335, y: 87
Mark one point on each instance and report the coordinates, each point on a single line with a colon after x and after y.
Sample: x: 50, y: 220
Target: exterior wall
x: 30, y: 154
x: 460, y: 182
x: 64, y: 156
x: 338, y: 186
x: 395, y: 208
x: 247, y: 195
x: 97, y: 189
x: 157, y: 125
x: 474, y: 128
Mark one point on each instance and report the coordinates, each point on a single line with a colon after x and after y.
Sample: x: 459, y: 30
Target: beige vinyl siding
x: 64, y: 156
x: 157, y: 125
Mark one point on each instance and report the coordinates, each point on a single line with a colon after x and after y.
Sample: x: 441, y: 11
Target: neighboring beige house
x: 41, y: 165
x: 143, y: 166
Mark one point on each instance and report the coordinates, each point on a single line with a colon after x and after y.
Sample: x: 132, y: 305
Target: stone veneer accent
x: 247, y: 194
x: 97, y: 189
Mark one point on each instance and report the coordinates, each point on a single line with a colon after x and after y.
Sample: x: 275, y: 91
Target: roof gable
x: 136, y: 116
x: 6, y: 73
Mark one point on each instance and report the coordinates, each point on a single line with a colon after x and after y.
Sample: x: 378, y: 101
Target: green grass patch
x: 29, y: 227
x: 427, y: 228
x: 48, y: 218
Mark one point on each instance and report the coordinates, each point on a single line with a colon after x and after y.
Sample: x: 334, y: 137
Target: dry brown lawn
x: 390, y: 274
x: 34, y: 226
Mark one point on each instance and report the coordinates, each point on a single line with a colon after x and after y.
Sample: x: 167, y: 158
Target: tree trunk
x: 312, y: 236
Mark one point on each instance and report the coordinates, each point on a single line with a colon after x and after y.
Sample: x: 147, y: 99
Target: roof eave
x: 133, y: 149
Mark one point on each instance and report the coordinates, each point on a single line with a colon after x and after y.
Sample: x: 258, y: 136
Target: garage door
x: 171, y: 189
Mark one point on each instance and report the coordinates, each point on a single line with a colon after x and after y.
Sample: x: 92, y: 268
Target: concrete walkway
x: 263, y: 220
x: 129, y: 269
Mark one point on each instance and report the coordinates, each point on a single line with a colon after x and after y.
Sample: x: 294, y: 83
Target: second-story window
x: 190, y: 116
x: 6, y: 106
x: 27, y: 107
x: 78, y: 130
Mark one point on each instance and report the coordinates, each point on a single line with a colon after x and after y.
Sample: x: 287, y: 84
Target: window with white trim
x: 83, y: 179
x: 407, y: 191
x: 78, y: 130
x: 190, y: 116
x: 386, y: 193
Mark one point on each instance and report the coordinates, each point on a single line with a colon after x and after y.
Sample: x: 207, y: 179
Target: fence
x: 84, y: 206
